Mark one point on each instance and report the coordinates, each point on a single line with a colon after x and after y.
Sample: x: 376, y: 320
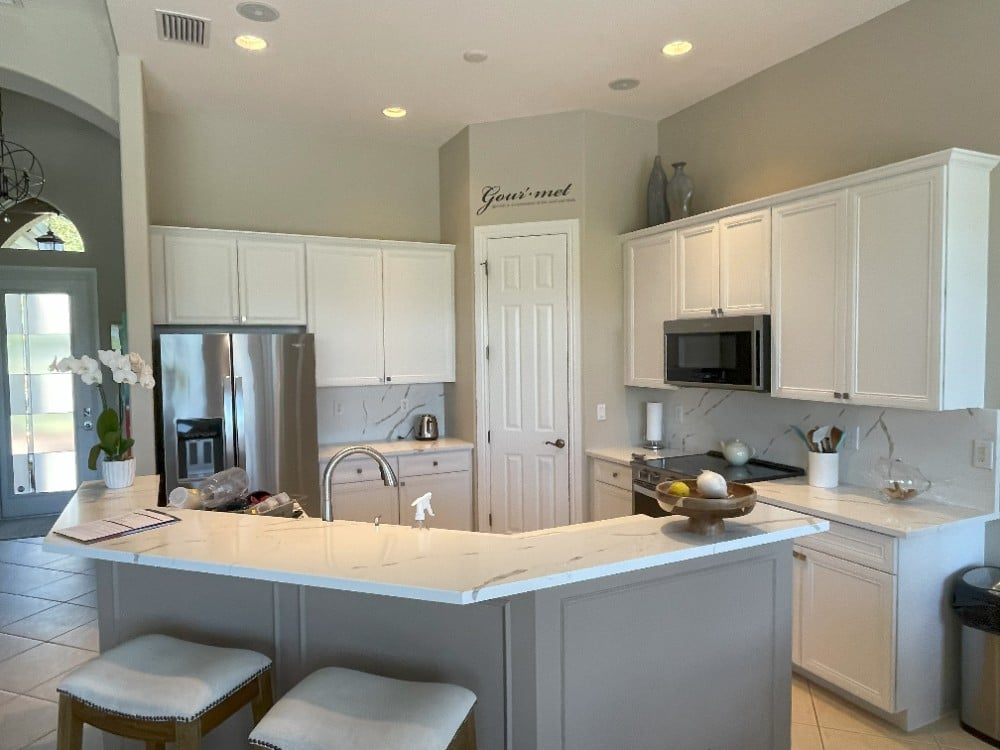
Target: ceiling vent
x: 180, y: 27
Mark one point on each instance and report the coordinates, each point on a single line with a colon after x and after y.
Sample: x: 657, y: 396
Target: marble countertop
x: 623, y: 456
x: 400, y: 447
x: 459, y: 567
x: 865, y: 507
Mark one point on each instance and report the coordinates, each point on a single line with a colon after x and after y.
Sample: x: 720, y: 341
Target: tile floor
x: 48, y: 627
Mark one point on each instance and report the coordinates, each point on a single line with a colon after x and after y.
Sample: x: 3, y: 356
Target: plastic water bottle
x: 216, y: 490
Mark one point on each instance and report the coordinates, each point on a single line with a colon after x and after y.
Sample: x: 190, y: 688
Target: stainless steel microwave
x: 718, y: 352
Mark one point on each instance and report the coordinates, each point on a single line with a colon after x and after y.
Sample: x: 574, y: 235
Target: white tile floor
x: 48, y: 627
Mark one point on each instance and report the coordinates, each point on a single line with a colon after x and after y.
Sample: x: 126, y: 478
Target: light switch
x: 982, y: 454
x: 602, y: 412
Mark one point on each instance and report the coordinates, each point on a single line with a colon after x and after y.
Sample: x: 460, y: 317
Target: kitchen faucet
x: 388, y: 475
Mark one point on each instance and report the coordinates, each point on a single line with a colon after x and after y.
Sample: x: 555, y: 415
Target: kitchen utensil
x: 820, y: 434
x: 427, y: 427
x: 801, y: 434
x: 836, y: 437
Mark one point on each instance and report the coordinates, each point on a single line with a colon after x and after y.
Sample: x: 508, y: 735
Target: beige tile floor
x: 48, y: 627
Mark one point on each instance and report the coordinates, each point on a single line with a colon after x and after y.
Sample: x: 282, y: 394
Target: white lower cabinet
x: 871, y: 616
x: 359, y: 494
x: 610, y: 490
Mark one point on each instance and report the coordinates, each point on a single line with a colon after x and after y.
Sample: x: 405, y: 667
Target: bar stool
x: 341, y: 709
x: 161, y: 689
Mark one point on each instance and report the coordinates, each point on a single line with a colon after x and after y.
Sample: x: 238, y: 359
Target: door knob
x: 559, y: 443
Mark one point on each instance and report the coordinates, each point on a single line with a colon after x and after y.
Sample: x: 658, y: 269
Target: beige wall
x: 233, y: 173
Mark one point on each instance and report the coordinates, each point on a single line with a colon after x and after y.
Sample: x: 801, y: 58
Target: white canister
x: 823, y: 469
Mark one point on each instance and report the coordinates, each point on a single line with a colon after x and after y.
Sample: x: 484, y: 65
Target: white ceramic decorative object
x: 711, y: 484
x: 118, y: 474
x: 736, y: 451
x: 823, y: 469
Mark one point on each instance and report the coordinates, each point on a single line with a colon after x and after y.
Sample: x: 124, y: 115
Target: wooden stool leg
x: 70, y: 734
x: 465, y: 737
x: 262, y: 703
x: 189, y: 735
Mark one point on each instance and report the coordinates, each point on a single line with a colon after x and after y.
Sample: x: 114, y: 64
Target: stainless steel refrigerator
x: 238, y: 399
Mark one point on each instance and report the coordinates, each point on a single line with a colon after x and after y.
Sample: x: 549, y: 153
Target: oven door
x: 644, y: 499
x: 718, y: 352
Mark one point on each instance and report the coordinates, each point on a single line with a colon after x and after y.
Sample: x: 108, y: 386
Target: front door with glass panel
x: 48, y: 416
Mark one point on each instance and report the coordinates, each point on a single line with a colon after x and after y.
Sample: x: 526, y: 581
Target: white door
x: 47, y: 417
x: 698, y: 271
x: 528, y: 381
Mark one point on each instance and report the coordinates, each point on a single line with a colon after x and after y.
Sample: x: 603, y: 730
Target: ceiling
x: 341, y: 62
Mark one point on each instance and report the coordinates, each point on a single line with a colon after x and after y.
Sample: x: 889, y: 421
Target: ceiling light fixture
x: 21, y: 175
x: 394, y: 113
x: 680, y: 47
x: 474, y: 55
x: 257, y: 12
x: 623, y: 84
x: 50, y: 241
x: 250, y: 42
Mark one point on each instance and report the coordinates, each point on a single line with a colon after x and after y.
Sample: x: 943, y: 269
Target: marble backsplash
x: 351, y: 414
x: 940, y: 444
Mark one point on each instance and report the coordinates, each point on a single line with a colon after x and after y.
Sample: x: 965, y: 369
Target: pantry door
x: 47, y: 417
x: 529, y: 388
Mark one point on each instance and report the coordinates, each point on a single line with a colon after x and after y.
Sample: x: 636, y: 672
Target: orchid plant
x: 126, y: 370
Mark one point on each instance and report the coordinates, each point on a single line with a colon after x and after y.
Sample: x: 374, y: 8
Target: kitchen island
x: 623, y: 633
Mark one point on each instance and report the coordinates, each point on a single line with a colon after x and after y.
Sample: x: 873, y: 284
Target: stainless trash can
x: 976, y: 600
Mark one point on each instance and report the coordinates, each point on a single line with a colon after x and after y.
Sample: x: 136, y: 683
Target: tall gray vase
x: 679, y: 192
x: 656, y: 195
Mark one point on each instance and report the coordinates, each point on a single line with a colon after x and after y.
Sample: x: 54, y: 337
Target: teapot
x: 736, y: 451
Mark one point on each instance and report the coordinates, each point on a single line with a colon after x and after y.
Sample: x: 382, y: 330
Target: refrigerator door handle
x: 228, y: 425
x: 241, y: 448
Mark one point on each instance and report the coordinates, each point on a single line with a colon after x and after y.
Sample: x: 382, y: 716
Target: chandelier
x: 21, y: 175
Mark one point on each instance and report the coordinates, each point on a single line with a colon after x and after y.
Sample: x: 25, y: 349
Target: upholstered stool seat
x: 162, y: 689
x: 341, y: 709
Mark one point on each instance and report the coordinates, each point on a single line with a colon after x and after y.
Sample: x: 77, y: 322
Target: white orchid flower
x: 87, y: 365
x: 108, y: 357
x: 66, y: 364
x: 125, y: 376
x: 147, y: 381
x: 91, y: 378
x: 136, y: 362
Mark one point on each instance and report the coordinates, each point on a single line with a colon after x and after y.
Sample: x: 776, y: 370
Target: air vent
x: 180, y: 27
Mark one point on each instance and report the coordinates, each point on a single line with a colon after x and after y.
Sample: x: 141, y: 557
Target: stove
x: 647, y: 472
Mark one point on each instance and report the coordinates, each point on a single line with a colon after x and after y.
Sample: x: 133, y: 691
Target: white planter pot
x: 118, y: 474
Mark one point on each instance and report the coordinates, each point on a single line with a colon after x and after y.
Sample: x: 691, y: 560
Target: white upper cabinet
x: 724, y: 267
x: 650, y: 270
x: 382, y: 312
x: 418, y: 284
x: 214, y: 277
x: 880, y: 287
x: 698, y: 271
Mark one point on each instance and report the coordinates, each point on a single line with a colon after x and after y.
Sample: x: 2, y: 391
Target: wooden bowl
x: 705, y: 514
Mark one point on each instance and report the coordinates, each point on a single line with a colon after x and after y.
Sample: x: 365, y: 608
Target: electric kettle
x: 427, y: 427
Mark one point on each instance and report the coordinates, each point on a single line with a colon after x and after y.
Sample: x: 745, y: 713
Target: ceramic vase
x: 679, y: 192
x: 118, y: 474
x: 656, y: 195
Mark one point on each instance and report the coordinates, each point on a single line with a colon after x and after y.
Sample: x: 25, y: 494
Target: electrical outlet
x: 602, y: 412
x: 982, y: 454
x: 338, y: 409
x: 404, y: 403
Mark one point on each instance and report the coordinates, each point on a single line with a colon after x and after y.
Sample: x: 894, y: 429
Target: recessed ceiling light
x: 623, y: 84
x: 680, y: 47
x: 250, y: 42
x: 394, y: 112
x: 474, y: 55
x: 257, y: 12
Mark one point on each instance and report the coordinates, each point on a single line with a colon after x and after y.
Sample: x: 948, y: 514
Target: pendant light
x: 21, y: 175
x: 50, y: 241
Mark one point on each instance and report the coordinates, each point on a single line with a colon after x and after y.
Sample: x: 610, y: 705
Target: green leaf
x: 92, y: 460
x: 125, y: 446
x: 107, y: 422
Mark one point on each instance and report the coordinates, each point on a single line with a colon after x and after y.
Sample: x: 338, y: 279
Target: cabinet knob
x: 388, y: 379
x: 798, y: 555
x: 836, y: 395
x: 845, y: 396
x: 614, y: 474
x: 435, y: 463
x: 359, y: 471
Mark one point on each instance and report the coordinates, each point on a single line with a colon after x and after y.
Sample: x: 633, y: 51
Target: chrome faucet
x: 388, y: 475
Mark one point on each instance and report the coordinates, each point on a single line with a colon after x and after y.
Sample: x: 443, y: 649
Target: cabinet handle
x: 614, y: 474
x: 798, y: 555
x: 845, y: 396
x: 435, y: 463
x: 836, y: 395
x: 388, y: 379
x: 360, y: 470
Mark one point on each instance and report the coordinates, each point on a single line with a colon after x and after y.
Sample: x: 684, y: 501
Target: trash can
x: 976, y: 600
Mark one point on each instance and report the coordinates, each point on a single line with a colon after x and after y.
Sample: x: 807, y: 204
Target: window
x: 24, y: 223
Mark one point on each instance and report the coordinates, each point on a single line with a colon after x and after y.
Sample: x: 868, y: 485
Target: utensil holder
x: 823, y: 469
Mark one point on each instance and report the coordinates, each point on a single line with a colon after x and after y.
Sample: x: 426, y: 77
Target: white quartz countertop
x: 866, y: 508
x: 400, y: 447
x: 623, y: 456
x: 459, y: 567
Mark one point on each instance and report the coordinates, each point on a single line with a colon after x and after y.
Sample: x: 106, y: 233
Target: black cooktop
x: 755, y: 470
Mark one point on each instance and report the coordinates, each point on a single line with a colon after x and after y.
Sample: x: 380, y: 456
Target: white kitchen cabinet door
x: 809, y: 307
x: 418, y: 286
x: 650, y: 298
x: 362, y: 501
x: 201, y: 279
x: 745, y: 263
x: 272, y: 282
x: 451, y: 499
x: 698, y: 271
x: 608, y: 501
x: 345, y: 312
x: 848, y: 627
x: 898, y: 258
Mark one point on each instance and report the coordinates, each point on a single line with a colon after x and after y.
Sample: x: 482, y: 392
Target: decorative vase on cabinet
x: 656, y: 196
x: 679, y: 192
